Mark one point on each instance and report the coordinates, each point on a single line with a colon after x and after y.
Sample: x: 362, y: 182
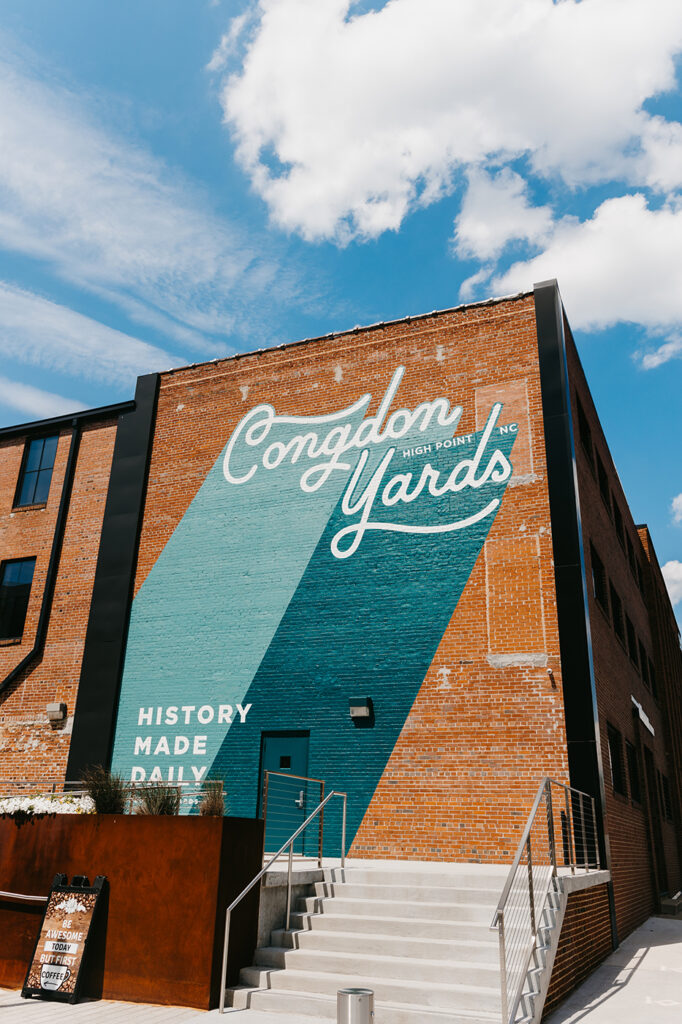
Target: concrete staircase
x: 417, y: 934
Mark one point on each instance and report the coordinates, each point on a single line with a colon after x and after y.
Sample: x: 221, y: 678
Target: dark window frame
x: 633, y: 653
x: 634, y: 773
x: 615, y: 744
x: 6, y: 607
x: 600, y: 582
x: 644, y: 665
x: 584, y: 431
x: 603, y: 481
x: 618, y: 522
x: 666, y: 797
x: 617, y: 614
x: 37, y: 473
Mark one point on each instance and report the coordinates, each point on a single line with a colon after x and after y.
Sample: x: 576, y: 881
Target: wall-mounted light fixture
x: 361, y: 710
x: 56, y: 712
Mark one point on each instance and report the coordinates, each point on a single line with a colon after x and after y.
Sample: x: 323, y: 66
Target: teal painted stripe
x: 206, y: 614
x: 368, y: 625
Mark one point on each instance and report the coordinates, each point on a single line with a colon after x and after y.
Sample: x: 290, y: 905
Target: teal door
x: 289, y: 798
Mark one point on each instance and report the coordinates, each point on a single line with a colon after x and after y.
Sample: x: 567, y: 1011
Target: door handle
x: 299, y: 802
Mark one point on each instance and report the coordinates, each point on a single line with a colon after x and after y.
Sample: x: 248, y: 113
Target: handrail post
x: 503, y: 968
x: 596, y: 835
x: 530, y: 884
x: 321, y: 830
x: 569, y: 830
x: 584, y: 832
x: 550, y: 826
x: 223, y: 974
x: 291, y: 858
x: 343, y: 832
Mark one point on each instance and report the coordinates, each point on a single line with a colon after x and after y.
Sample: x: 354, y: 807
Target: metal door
x: 285, y: 754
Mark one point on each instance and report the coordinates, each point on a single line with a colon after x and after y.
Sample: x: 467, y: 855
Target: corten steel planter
x: 159, y: 935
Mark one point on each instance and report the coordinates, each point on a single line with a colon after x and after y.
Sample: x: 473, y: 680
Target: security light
x: 56, y: 712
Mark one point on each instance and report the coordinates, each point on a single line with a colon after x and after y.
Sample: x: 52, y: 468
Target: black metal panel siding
x: 577, y: 669
x: 105, y: 639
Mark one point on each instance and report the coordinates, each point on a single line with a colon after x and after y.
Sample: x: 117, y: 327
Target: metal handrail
x: 290, y: 845
x: 267, y: 805
x: 525, y: 937
x: 23, y: 896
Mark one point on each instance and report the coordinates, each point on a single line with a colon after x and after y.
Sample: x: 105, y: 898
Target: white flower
x: 60, y: 803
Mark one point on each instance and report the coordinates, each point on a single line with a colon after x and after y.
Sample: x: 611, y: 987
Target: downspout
x: 53, y: 567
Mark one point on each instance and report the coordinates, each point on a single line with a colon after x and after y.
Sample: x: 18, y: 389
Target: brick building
x: 420, y: 518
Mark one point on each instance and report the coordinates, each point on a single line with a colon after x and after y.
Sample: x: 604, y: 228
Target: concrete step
x: 379, y: 965
x: 408, y: 893
x: 391, y: 908
x: 306, y: 1004
x: 478, y: 876
x: 429, y: 947
x: 416, y: 927
x: 437, y: 995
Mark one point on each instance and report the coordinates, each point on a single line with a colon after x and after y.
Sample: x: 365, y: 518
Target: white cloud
x: 33, y: 401
x: 672, y: 574
x: 676, y: 509
x: 624, y: 264
x: 368, y: 115
x: 36, y: 331
x: 110, y: 217
x: 670, y: 349
x: 495, y: 210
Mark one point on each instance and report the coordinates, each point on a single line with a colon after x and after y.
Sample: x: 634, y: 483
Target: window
x: 618, y: 523
x: 15, y: 586
x: 603, y: 483
x: 666, y: 800
x: 599, y: 583
x: 640, y: 578
x: 644, y: 665
x: 585, y: 432
x: 36, y: 471
x: 617, y: 614
x: 632, y: 641
x: 633, y: 773
x: 631, y: 556
x: 652, y: 679
x: 616, y: 758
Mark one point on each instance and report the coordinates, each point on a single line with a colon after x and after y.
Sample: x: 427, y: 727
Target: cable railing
x: 288, y: 845
x: 561, y: 832
x: 286, y: 799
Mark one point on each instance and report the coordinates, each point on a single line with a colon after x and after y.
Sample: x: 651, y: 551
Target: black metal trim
x: 102, y: 412
x: 53, y: 566
x: 575, y: 640
x: 107, y: 630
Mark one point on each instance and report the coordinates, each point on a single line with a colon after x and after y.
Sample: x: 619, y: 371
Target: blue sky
x: 186, y: 179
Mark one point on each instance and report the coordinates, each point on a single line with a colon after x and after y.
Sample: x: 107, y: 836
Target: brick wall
x: 31, y: 748
x: 584, y: 942
x: 487, y: 720
x: 618, y: 677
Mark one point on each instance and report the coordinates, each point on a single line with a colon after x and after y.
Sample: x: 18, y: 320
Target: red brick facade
x: 488, y: 722
x: 619, y: 672
x: 585, y: 941
x: 31, y: 749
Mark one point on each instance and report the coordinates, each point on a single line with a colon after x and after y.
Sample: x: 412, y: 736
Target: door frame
x: 284, y: 734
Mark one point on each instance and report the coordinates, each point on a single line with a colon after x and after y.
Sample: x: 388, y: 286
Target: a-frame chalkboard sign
x: 56, y: 966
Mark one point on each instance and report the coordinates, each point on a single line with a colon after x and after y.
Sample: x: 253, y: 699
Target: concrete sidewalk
x: 15, y: 1010
x: 641, y: 982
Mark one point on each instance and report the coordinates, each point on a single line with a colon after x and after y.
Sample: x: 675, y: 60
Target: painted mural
x: 322, y: 558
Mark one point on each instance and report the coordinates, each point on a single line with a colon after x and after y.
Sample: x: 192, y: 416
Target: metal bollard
x: 354, y: 1006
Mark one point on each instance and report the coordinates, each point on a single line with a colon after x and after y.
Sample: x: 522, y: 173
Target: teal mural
x: 322, y: 559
